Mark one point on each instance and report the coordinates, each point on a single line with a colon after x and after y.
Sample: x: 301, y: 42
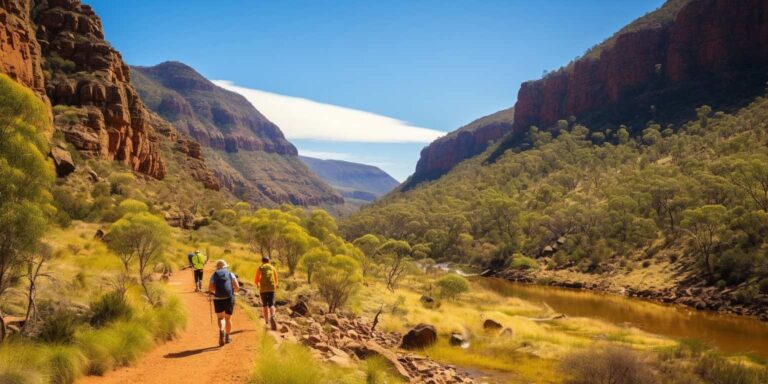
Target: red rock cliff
x: 88, y: 84
x: 443, y: 154
x: 20, y: 56
x: 709, y: 52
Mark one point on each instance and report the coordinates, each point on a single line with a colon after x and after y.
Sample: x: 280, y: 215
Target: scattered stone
x: 300, y: 309
x: 420, y: 337
x: 506, y: 332
x: 99, y: 234
x: 93, y: 176
x: 426, y: 299
x: 491, y: 324
x: 457, y: 340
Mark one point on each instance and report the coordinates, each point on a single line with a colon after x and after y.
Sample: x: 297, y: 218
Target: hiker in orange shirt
x: 266, y: 280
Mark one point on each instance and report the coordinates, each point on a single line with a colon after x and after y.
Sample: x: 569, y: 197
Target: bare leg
x: 228, y: 324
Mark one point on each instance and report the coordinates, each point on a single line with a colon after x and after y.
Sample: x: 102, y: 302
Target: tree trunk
x: 2, y: 328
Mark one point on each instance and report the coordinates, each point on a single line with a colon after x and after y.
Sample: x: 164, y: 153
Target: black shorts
x: 267, y: 299
x: 224, y: 305
x: 198, y: 275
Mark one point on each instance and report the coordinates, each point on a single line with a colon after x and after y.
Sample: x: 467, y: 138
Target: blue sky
x: 433, y: 65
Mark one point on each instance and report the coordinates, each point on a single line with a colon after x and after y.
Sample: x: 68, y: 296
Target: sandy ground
x: 194, y: 356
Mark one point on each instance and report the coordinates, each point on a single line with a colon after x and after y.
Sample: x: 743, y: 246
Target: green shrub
x: 167, y: 319
x: 523, y: 263
x: 65, y: 364
x: 132, y: 206
x: 289, y: 364
x: 763, y: 286
x: 60, y: 327
x: 452, y: 285
x: 717, y: 370
x: 120, y: 182
x: 610, y: 365
x: 110, y: 307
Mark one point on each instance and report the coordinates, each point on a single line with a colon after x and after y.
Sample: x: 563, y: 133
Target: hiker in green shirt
x: 266, y: 280
x: 197, y: 260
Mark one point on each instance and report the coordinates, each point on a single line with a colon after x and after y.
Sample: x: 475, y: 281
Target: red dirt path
x: 194, y: 356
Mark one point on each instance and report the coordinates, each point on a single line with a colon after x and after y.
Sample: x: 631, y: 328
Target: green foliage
x: 26, y: 176
x: 337, y: 280
x: 141, y: 237
x: 60, y: 327
x: 452, y: 285
x: 700, y: 190
x: 120, y: 182
x: 110, y: 307
x: 522, y: 262
x: 132, y: 206
x: 610, y: 365
x: 290, y: 364
x: 313, y: 260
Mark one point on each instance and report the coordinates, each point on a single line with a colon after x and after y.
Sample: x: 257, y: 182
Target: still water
x: 728, y: 333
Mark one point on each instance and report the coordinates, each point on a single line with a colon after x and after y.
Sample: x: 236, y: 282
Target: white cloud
x: 326, y: 155
x: 300, y: 118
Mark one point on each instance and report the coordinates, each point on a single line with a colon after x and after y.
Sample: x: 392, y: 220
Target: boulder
x: 457, y: 339
x: 491, y: 324
x: 300, y: 309
x: 421, y: 336
x: 426, y: 299
x: 63, y: 161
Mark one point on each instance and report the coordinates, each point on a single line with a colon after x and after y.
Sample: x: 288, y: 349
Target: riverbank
x: 663, y: 282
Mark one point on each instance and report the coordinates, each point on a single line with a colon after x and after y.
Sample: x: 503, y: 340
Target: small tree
x: 452, y: 285
x: 35, y: 269
x: 26, y: 179
x: 312, y: 260
x: 141, y: 237
x: 337, y: 280
x: 367, y: 244
x: 294, y: 242
x: 705, y: 224
x: 396, y: 255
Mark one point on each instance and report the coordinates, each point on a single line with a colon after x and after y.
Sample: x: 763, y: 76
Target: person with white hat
x: 223, y: 287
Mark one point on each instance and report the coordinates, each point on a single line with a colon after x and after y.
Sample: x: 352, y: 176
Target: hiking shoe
x: 273, y: 323
x: 228, y: 339
x: 221, y: 338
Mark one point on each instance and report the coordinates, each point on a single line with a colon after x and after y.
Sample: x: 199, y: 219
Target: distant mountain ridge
x: 248, y: 154
x: 352, y: 180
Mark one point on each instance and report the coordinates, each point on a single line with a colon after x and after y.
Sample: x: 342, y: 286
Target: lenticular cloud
x: 300, y: 118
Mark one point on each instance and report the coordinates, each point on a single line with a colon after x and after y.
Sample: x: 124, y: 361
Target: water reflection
x: 728, y: 333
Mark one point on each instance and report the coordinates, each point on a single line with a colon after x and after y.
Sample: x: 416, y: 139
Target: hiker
x: 223, y: 287
x: 266, y: 280
x: 197, y: 261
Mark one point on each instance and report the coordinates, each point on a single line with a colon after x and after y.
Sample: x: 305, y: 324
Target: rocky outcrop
x: 443, y: 154
x: 88, y: 84
x: 20, y: 56
x: 684, y: 55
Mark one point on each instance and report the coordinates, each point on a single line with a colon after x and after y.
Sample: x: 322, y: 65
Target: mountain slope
x: 248, y: 153
x: 686, y: 54
x: 352, y: 180
x: 443, y: 154
x: 57, y: 48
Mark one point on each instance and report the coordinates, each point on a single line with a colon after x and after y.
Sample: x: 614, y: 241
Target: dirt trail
x: 194, y: 356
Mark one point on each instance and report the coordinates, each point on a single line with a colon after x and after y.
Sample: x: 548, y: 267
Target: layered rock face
x: 213, y: 116
x: 100, y: 113
x: 443, y: 154
x: 711, y: 52
x: 20, y: 56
